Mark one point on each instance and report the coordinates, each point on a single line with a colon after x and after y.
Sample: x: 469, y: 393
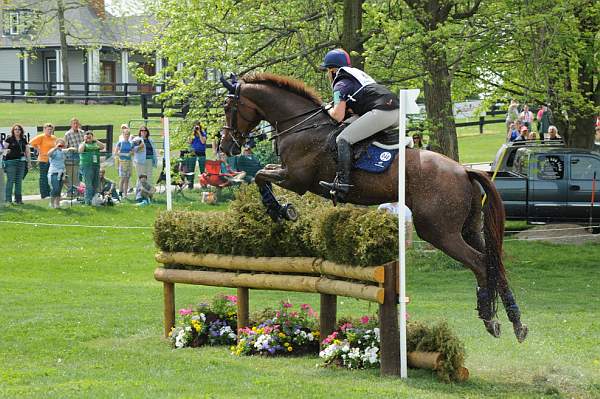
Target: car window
x: 550, y: 167
x: 584, y: 167
x: 521, y: 162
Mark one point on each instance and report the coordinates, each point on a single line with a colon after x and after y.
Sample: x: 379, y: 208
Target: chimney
x: 99, y: 8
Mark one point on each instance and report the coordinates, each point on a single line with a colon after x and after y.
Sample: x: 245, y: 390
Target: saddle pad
x: 375, y: 159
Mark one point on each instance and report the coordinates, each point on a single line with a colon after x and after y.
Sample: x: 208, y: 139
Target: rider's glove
x: 326, y: 106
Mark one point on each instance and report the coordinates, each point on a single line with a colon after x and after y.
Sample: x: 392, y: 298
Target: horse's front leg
x: 264, y: 179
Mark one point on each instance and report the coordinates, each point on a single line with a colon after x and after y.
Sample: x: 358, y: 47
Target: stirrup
x: 336, y: 188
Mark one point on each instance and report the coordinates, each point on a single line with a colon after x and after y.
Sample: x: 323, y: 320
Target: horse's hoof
x: 274, y: 214
x: 289, y: 212
x: 493, y: 327
x: 521, y: 332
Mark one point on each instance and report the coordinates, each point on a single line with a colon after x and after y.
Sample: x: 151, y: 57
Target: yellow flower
x: 253, y: 328
x: 316, y: 333
x: 290, y: 348
x: 232, y: 348
x: 281, y: 335
x: 286, y: 344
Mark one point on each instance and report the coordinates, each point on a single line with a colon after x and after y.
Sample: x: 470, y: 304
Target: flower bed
x: 287, y: 332
x: 208, y: 324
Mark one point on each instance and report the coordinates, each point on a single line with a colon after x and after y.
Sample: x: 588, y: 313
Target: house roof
x: 85, y: 28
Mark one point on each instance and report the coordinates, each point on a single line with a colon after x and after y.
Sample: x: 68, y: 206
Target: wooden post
x: 12, y: 91
x: 481, y: 123
x: 169, y: 298
x: 243, y: 306
x: 126, y: 93
x: 327, y: 315
x: 388, y: 324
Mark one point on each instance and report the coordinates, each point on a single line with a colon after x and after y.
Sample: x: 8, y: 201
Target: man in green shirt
x: 89, y: 153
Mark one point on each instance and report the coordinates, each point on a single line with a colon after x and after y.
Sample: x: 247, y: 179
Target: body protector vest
x: 370, y: 95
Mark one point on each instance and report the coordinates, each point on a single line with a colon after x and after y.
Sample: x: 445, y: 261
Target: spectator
x: 89, y: 152
x: 228, y: 172
x: 526, y: 117
x: 522, y: 135
x: 513, y: 133
x: 544, y: 117
x: 144, y: 191
x: 184, y: 168
x: 418, y: 142
x: 108, y: 191
x: 393, y: 208
x: 43, y: 143
x: 531, y: 136
x: 150, y: 159
x: 73, y: 138
x: 139, y: 155
x: 249, y: 164
x: 3, y: 149
x: 17, y: 157
x: 56, y: 171
x: 198, y: 144
x: 123, y: 153
x: 597, y: 139
x: 553, y: 134
x: 512, y: 115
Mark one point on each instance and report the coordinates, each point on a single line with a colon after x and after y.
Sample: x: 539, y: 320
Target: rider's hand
x: 326, y: 106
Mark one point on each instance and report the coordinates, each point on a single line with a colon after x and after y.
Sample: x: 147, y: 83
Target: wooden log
x: 327, y: 315
x: 169, y: 308
x: 273, y: 264
x: 271, y: 282
x: 425, y: 360
x: 388, y: 325
x: 462, y: 374
x: 242, y: 307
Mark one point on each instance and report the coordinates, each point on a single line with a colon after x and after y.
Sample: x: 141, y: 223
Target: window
x: 16, y: 22
x: 550, y: 167
x: 584, y: 168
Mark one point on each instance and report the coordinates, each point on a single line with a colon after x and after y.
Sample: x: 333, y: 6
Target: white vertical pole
x: 167, y: 151
x: 402, y: 233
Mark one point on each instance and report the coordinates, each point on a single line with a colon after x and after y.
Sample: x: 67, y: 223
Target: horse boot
x: 485, y: 308
x: 340, y: 186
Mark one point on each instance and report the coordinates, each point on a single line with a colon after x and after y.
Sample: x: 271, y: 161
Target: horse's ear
x: 230, y: 88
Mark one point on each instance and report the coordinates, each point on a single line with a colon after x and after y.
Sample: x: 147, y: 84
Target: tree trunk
x: 438, y: 102
x: 352, y: 40
x: 64, y: 49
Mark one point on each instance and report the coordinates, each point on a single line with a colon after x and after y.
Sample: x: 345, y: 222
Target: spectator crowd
x: 76, y: 164
x: 519, y: 124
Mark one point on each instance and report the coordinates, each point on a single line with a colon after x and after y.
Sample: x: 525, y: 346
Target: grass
x: 82, y: 317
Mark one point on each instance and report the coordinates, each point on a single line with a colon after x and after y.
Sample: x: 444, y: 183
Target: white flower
x: 346, y: 347
x: 188, y: 328
x: 310, y: 337
x: 376, y: 331
x: 202, y: 316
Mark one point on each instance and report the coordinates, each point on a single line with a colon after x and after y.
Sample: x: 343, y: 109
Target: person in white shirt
x: 393, y: 208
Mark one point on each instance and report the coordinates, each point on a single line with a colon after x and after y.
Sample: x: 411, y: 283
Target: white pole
x: 402, y: 233
x: 167, y: 165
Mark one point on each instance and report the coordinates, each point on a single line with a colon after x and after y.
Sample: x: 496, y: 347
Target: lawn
x: 82, y: 317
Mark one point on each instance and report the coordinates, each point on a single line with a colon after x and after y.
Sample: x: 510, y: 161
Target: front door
x: 108, y: 75
x: 51, y: 70
x: 585, y: 173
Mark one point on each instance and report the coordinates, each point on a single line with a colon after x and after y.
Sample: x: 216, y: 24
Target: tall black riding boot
x: 341, y: 184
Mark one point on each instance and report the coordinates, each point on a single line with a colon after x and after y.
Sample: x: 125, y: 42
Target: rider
x: 357, y: 92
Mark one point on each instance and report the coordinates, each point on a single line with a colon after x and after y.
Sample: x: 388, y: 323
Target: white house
x: 99, y: 47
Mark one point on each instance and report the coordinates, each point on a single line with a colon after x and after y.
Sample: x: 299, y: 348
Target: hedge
x: 344, y: 234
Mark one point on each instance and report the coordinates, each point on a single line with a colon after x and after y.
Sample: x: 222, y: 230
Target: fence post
x: 388, y: 323
x: 109, y: 138
x: 86, y: 89
x: 481, y: 123
x: 12, y: 91
x: 169, y: 299
x: 126, y: 93
x: 243, y: 307
x: 327, y: 315
x: 48, y: 91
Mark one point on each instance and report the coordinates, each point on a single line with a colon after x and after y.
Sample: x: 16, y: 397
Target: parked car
x: 547, y: 183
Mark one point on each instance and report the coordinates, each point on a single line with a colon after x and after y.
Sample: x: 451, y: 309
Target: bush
x: 344, y: 234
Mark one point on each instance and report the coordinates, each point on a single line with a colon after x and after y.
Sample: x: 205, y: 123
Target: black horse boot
x: 341, y: 184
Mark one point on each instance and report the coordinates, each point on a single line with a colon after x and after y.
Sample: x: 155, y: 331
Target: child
x: 144, y: 191
x: 123, y: 154
x: 56, y: 171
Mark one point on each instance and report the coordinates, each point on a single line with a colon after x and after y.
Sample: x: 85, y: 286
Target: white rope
x: 77, y: 225
x: 566, y: 228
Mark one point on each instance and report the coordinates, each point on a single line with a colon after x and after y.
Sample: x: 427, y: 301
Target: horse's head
x: 241, y: 117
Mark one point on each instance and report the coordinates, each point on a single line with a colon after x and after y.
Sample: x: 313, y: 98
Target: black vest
x: 371, y: 95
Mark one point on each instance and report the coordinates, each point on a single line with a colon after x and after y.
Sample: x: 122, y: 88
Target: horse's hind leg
x: 454, y: 245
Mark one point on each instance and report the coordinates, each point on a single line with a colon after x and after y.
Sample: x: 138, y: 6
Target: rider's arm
x: 338, y: 112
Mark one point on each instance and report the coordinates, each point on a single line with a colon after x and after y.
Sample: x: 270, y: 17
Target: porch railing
x: 86, y: 91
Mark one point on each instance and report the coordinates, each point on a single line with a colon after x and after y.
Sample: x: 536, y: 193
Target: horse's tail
x: 493, y: 229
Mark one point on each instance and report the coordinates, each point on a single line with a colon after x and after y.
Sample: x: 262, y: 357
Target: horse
x: 445, y: 197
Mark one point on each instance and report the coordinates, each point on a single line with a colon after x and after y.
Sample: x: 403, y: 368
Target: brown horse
x: 444, y: 197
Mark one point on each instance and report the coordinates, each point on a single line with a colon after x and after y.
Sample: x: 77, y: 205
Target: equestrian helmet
x: 335, y: 59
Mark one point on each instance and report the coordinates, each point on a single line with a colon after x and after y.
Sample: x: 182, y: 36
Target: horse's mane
x: 290, y: 84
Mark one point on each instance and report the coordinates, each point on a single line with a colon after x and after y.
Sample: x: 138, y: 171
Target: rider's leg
x: 269, y: 201
x: 364, y: 127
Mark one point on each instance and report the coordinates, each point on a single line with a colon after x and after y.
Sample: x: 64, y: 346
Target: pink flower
x: 305, y: 306
x: 330, y: 338
x: 185, y: 312
x: 231, y: 298
x: 345, y: 326
x: 294, y: 314
x: 364, y: 319
x: 287, y: 305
